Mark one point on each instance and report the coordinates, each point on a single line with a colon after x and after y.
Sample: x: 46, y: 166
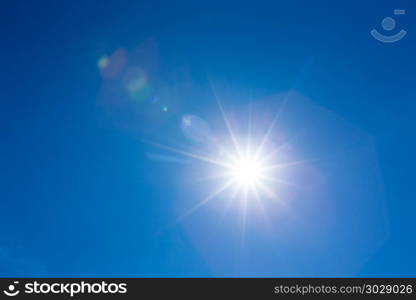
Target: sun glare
x: 247, y: 168
x: 247, y: 171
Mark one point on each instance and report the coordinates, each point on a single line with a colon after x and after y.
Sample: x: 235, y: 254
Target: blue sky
x: 91, y: 89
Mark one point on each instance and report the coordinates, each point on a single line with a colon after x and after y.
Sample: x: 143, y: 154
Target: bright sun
x: 247, y: 167
x: 247, y: 171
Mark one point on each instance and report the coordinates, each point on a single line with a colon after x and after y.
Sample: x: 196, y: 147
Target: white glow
x: 247, y: 171
x: 247, y: 168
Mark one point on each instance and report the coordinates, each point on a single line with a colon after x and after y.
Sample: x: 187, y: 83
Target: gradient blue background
x: 79, y: 197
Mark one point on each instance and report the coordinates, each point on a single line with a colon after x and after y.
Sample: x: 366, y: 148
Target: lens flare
x: 244, y: 163
x: 247, y: 171
x: 103, y: 62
